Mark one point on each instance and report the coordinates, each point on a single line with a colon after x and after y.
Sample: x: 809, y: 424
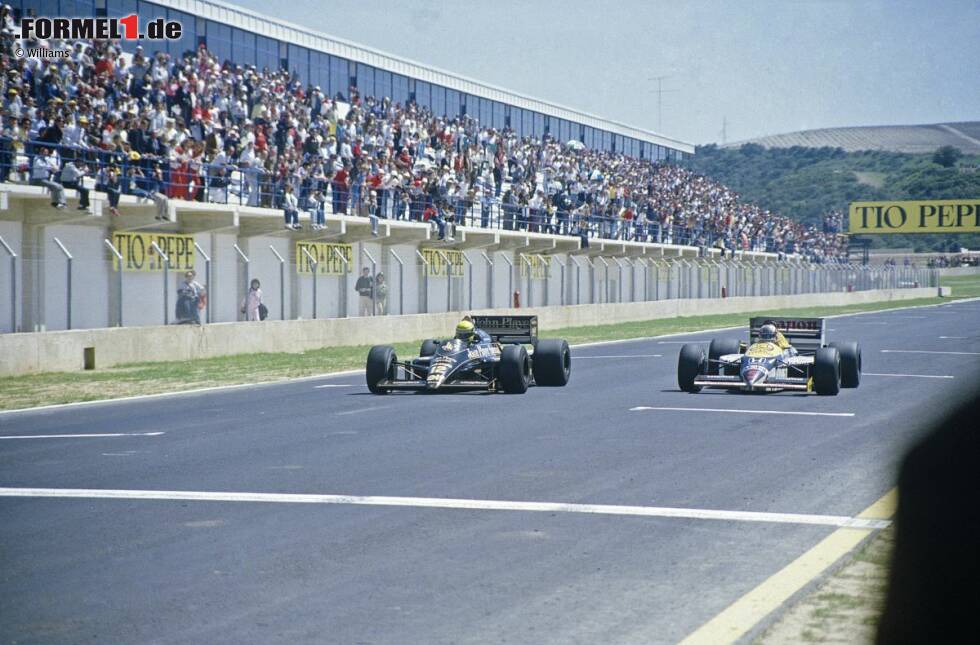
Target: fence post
x: 166, y: 279
x: 282, y: 283
x: 489, y: 279
x: 401, y: 282
x: 316, y: 267
x: 207, y: 279
x: 425, y: 282
x: 119, y: 280
x: 343, y: 281
x: 247, y: 262
x: 13, y: 284
x: 578, y: 279
x: 68, y: 259
x: 605, y: 274
x: 530, y: 293
x: 449, y: 280
x: 510, y: 279
x: 469, y: 279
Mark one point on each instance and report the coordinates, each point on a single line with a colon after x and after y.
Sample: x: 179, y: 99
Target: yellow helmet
x: 464, y: 330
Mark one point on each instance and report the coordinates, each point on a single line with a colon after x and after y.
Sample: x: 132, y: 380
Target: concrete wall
x: 63, y: 351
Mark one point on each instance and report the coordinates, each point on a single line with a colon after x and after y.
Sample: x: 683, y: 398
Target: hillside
x: 806, y: 183
x: 913, y: 139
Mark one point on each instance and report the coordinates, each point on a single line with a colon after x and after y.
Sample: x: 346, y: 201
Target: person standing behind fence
x: 252, y: 302
x: 381, y: 294
x: 290, y: 209
x: 365, y: 289
x: 73, y: 176
x: 190, y: 294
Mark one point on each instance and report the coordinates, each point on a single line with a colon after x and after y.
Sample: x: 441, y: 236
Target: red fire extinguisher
x: 517, y: 299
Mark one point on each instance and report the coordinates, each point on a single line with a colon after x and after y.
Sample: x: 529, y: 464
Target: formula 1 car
x: 501, y: 364
x: 810, y: 365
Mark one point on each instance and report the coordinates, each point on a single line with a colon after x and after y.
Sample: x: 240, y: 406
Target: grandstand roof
x: 894, y: 138
x: 303, y: 36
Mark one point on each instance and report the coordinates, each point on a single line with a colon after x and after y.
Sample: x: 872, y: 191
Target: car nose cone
x: 754, y: 376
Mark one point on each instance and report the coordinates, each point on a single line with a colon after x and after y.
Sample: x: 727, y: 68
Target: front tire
x: 429, y: 347
x: 826, y: 371
x: 850, y: 363
x: 690, y: 364
x: 552, y: 363
x: 514, y: 371
x: 380, y: 367
x: 721, y: 347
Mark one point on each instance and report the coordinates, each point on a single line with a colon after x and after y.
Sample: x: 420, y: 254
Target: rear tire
x: 380, y: 367
x: 552, y: 363
x: 850, y: 363
x: 690, y: 364
x: 514, y: 369
x: 429, y: 347
x: 720, y: 347
x: 826, y: 371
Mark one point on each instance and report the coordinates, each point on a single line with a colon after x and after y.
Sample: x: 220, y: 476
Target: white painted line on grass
x: 440, y: 502
x: 926, y: 351
x: 320, y: 387
x: 909, y: 375
x: 578, y: 358
x: 379, y: 407
x: 83, y: 436
x: 643, y: 408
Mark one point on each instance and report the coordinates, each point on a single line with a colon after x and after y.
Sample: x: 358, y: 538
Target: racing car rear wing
x: 805, y: 334
x: 509, y: 329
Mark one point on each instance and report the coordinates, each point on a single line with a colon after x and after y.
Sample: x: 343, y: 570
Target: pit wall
x: 65, y: 350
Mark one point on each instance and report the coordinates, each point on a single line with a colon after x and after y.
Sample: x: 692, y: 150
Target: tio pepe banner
x: 936, y: 216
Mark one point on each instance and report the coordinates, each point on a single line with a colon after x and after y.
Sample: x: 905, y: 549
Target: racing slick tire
x: 429, y: 347
x: 514, y: 370
x: 826, y: 371
x: 690, y: 364
x: 552, y: 363
x: 720, y: 347
x: 380, y: 366
x: 850, y: 363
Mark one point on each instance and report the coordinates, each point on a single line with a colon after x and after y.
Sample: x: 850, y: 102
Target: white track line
x: 953, y: 337
x: 379, y: 407
x: 926, y: 351
x: 578, y: 358
x: 641, y: 408
x: 439, y: 502
x: 684, y: 342
x: 82, y: 436
x: 320, y: 387
x: 910, y: 375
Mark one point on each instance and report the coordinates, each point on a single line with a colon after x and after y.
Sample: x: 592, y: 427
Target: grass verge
x: 844, y: 608
x: 153, y: 378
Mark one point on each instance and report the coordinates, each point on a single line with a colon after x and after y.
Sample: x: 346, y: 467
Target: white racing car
x: 794, y: 358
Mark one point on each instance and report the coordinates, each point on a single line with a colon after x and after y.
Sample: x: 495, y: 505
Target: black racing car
x: 500, y: 364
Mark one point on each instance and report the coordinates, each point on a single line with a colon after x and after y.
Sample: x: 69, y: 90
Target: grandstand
x: 247, y: 121
x: 915, y: 139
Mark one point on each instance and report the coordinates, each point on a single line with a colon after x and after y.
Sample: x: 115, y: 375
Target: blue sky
x: 764, y: 67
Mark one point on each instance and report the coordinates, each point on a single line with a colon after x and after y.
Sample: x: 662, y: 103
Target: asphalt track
x: 233, y: 571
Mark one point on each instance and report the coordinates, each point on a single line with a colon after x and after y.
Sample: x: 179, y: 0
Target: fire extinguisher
x: 517, y: 299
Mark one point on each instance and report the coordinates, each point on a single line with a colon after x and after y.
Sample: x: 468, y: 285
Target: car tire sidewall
x: 826, y: 371
x: 552, y: 363
x: 514, y: 370
x: 380, y: 366
x: 691, y: 363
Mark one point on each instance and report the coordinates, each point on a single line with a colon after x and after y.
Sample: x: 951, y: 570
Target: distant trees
x: 946, y: 156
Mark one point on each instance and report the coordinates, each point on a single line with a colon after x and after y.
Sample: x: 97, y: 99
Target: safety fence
x: 75, y: 286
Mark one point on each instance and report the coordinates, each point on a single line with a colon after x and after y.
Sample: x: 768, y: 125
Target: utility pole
x: 660, y: 98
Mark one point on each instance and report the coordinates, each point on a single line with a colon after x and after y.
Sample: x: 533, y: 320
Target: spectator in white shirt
x: 43, y: 174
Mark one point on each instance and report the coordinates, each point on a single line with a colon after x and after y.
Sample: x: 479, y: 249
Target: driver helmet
x: 767, y: 332
x: 464, y: 330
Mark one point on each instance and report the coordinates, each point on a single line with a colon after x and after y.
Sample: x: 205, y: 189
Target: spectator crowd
x: 197, y: 128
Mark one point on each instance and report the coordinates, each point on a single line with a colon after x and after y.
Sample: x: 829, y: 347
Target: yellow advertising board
x: 139, y: 255
x: 935, y: 216
x: 325, y: 254
x: 538, y: 266
x: 437, y: 262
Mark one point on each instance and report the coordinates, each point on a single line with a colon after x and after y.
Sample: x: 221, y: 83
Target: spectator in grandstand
x: 365, y: 290
x: 291, y: 209
x: 73, y: 176
x: 44, y: 171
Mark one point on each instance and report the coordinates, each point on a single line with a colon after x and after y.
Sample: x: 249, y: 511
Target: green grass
x: 965, y: 286
x: 153, y: 378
